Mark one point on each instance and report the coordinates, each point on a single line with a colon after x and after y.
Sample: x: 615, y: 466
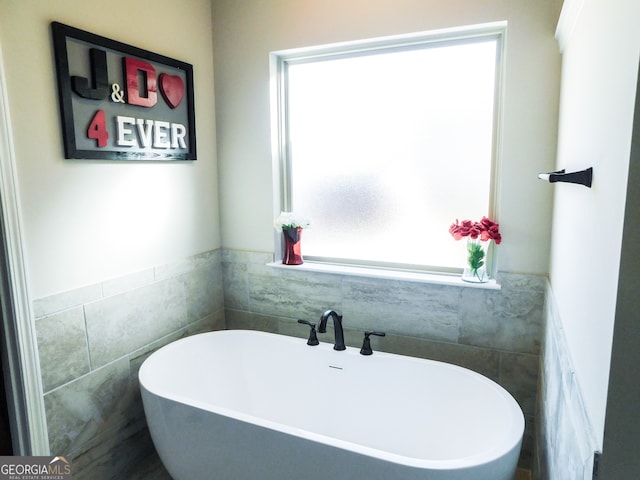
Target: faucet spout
x: 337, y: 328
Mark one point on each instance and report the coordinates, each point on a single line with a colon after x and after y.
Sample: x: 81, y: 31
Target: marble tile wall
x: 565, y: 441
x: 495, y: 332
x: 91, y: 342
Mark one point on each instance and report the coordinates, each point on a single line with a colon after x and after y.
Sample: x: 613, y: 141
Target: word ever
x: 156, y: 133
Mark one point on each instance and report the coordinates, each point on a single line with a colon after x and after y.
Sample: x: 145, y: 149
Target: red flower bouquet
x: 485, y: 229
x: 476, y: 232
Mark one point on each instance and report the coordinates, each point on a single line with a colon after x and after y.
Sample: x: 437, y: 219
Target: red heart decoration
x: 172, y: 89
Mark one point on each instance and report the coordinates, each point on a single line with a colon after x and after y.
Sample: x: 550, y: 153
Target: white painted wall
x: 245, y: 33
x: 87, y: 221
x: 599, y: 74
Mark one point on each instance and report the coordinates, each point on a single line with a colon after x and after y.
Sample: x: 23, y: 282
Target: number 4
x: 98, y: 129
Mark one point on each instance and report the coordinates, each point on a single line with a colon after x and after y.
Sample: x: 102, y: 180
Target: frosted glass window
x: 385, y: 149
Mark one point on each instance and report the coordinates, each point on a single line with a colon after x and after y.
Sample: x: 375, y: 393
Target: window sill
x: 434, y: 278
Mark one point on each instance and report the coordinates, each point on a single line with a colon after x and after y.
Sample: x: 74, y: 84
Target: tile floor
x: 522, y: 474
x: 152, y: 469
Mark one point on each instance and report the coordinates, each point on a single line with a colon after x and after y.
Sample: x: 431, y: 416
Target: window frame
x: 281, y: 153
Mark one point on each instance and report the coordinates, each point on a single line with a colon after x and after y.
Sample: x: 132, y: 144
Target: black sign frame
x: 71, y: 118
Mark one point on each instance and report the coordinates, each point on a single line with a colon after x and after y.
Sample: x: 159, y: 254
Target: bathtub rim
x: 515, y: 434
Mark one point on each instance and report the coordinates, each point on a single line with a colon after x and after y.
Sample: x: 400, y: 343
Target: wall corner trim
x: 21, y: 351
x: 566, y: 23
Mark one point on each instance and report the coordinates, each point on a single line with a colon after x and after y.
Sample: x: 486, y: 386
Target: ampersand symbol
x: 117, y: 95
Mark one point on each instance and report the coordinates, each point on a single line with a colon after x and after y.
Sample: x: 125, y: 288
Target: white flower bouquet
x: 289, y: 220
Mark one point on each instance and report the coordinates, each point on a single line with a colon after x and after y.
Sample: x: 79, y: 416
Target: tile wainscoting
x: 495, y: 332
x: 92, y: 341
x: 564, y: 435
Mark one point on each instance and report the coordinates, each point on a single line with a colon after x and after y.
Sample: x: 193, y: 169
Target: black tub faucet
x: 313, y: 338
x: 337, y: 327
x: 366, y: 343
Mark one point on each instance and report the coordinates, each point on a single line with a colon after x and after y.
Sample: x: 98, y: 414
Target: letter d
x: 145, y: 94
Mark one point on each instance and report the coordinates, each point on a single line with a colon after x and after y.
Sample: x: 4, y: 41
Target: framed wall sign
x: 119, y: 102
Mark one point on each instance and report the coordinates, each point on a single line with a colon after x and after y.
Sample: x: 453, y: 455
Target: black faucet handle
x: 313, y: 338
x: 366, y: 343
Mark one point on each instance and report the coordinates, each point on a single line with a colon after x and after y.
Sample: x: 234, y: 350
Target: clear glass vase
x: 475, y: 270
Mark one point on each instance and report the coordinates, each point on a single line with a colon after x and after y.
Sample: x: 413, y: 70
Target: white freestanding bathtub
x: 236, y: 404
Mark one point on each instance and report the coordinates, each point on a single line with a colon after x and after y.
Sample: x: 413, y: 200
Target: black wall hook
x: 583, y: 177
